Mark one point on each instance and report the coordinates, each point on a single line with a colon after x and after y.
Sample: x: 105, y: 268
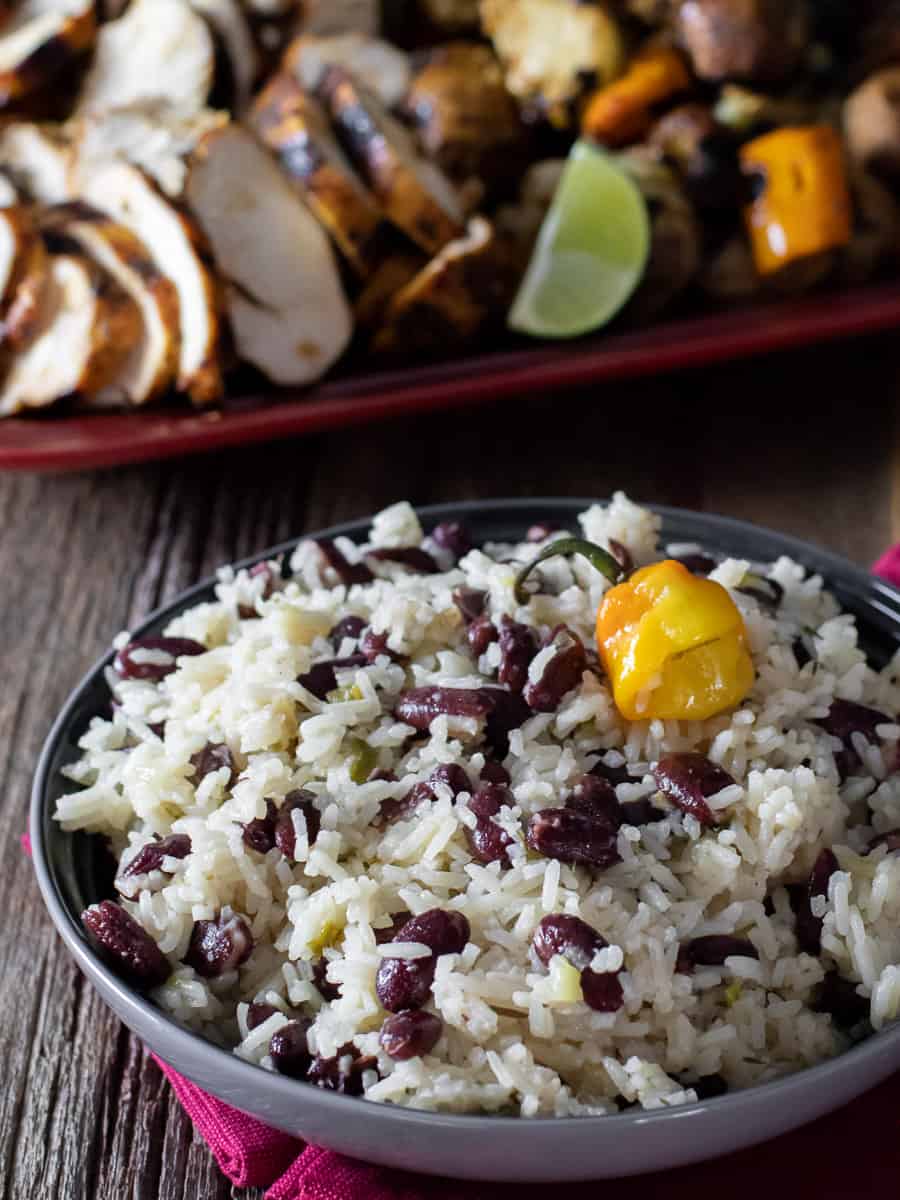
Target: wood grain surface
x: 808, y: 443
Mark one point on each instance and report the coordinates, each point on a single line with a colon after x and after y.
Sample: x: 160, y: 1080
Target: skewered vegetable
x: 621, y: 111
x: 380, y: 67
x: 802, y: 204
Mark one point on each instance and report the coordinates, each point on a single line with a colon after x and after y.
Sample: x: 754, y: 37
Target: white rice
x: 513, y: 1039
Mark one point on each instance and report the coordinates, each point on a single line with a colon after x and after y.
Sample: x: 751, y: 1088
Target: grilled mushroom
x: 158, y: 50
x: 467, y: 120
x: 550, y: 48
x: 453, y: 298
x: 377, y: 65
x: 288, y: 313
x: 294, y: 125
x: 416, y: 195
x: 761, y: 41
x: 152, y: 363
x: 84, y: 328
x: 23, y: 274
x: 39, y: 40
x: 124, y: 193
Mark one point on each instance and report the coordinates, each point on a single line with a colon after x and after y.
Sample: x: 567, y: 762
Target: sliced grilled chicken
x: 325, y: 17
x: 374, y: 63
x: 39, y: 161
x: 288, y: 313
x: 152, y: 364
x: 467, y: 120
x: 453, y: 298
x: 149, y: 135
x: 158, y: 50
x: 84, y: 329
x: 39, y: 40
x: 231, y: 31
x: 124, y: 193
x: 416, y: 195
x: 23, y: 274
x: 295, y: 126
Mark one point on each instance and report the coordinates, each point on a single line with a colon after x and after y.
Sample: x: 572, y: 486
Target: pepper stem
x: 596, y: 556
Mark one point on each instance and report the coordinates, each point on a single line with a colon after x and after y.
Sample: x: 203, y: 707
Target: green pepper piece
x: 362, y: 764
x: 567, y: 546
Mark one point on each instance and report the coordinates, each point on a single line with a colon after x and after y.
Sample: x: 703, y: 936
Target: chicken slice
x: 23, y: 274
x: 456, y: 295
x: 158, y: 50
x: 39, y: 160
x: 125, y: 194
x: 548, y: 49
x: 39, y: 40
x: 149, y: 135
x: 152, y: 363
x: 295, y: 126
x: 289, y: 316
x: 380, y: 67
x: 84, y: 329
x: 230, y: 29
x: 415, y: 195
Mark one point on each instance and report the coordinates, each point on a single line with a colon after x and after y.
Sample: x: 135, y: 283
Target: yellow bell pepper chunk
x: 674, y: 646
x: 803, y: 204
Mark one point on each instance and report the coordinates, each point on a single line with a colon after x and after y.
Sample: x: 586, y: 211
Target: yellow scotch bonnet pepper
x: 673, y: 644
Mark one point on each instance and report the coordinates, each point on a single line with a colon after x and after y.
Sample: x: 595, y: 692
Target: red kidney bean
x: 699, y: 564
x: 613, y: 775
x: 839, y: 998
x: 621, y: 554
x: 402, y: 983
x: 596, y: 798
x: 289, y: 1050
x: 602, y: 992
x: 574, y: 939
x: 808, y: 927
x: 419, y: 706
x: 508, y: 712
x: 219, y: 945
x: 846, y: 718
x: 573, y: 837
x: 373, y: 645
x: 150, y: 857
x: 261, y: 571
x: 401, y: 808
x: 471, y: 603
x: 320, y: 679
x: 126, y: 944
x: 257, y: 1013
x: 488, y: 841
x: 340, y: 1075
x: 712, y: 950
x: 347, y: 627
x: 518, y: 646
x: 454, y: 537
x: 561, y: 674
x: 640, y: 812
x: 328, y: 991
x: 494, y: 772
x: 213, y: 757
x: 348, y: 573
x: 489, y: 798
x: 708, y: 1087
x: 686, y: 780
x: 406, y: 556
x: 285, y: 837
x: 410, y: 1034
x: 126, y: 667
x: 259, y: 834
x: 453, y: 776
x: 389, y: 933
x: 480, y: 634
x: 444, y: 931
x: 891, y: 840
x: 804, y: 651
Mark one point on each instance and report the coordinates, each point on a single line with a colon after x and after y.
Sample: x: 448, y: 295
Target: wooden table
x: 809, y: 443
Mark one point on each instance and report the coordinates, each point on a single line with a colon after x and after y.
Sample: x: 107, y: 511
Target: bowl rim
x: 239, y: 1074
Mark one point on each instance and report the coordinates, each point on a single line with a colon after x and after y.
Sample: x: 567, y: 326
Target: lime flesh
x: 590, y: 254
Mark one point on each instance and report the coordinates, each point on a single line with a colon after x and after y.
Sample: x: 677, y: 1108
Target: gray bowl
x: 70, y: 872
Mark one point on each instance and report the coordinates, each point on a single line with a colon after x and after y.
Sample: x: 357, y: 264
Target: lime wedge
x: 591, y: 251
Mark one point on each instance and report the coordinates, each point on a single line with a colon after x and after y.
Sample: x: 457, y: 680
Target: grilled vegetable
x: 548, y: 48
x: 40, y: 40
x: 415, y: 195
x: 467, y: 120
x: 621, y: 111
x: 802, y: 205
x: 288, y: 312
x: 760, y: 41
x: 380, y: 67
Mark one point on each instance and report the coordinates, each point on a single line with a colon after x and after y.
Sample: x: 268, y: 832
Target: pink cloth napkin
x: 252, y: 1155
